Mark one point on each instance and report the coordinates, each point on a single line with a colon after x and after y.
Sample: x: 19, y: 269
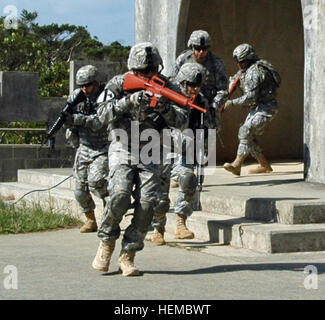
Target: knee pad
x: 187, y: 182
x: 162, y: 207
x: 84, y: 199
x: 81, y: 195
x: 120, y: 202
x: 99, y: 188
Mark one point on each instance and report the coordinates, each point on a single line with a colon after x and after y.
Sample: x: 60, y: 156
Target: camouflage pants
x: 90, y: 175
x: 159, y: 219
x: 187, y: 187
x: 184, y: 174
x: 123, y: 178
x: 255, y: 124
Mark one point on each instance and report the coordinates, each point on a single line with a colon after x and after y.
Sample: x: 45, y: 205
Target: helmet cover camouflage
x: 86, y: 74
x: 244, y: 52
x: 143, y: 55
x: 191, y: 72
x: 199, y: 38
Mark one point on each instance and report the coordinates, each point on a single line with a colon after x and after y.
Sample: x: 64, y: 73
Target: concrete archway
x: 275, y: 29
x: 288, y: 33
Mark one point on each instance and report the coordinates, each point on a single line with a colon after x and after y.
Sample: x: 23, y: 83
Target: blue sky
x: 109, y: 20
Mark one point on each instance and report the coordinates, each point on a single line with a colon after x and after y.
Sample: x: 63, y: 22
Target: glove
x: 228, y: 104
x: 141, y: 97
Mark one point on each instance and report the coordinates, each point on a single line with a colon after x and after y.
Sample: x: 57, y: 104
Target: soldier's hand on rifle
x: 161, y: 102
x: 141, y: 97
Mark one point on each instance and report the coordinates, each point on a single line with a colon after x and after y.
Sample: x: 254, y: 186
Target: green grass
x: 22, y: 219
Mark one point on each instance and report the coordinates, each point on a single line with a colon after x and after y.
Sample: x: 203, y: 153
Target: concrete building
x: 290, y: 34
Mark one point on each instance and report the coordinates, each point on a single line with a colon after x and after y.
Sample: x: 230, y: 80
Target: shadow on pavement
x: 298, y: 267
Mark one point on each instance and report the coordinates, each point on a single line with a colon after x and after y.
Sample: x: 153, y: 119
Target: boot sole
x: 129, y: 274
x: 88, y: 231
x: 159, y: 243
x: 184, y: 238
x: 232, y: 171
x: 96, y: 267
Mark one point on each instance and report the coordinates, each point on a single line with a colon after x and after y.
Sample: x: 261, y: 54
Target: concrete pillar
x: 314, y: 94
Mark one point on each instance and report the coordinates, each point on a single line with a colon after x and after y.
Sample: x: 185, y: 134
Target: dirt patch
x: 7, y: 198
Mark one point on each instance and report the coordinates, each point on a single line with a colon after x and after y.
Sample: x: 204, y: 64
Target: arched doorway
x: 275, y: 29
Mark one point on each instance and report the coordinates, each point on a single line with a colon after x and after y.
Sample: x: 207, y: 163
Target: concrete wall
x: 274, y: 28
x: 13, y: 157
x: 314, y: 116
x: 19, y: 97
x: 19, y: 101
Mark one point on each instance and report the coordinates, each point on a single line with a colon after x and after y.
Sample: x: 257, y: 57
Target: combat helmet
x: 86, y: 74
x: 199, y: 38
x: 144, y: 55
x: 244, y: 52
x: 191, y: 72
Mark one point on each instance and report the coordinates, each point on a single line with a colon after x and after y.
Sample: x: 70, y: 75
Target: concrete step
x: 236, y: 203
x: 230, y: 215
x: 47, y: 177
x: 253, y: 235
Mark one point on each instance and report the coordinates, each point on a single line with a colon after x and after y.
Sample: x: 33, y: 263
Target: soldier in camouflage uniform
x: 214, y: 86
x: 121, y: 111
x: 259, y: 82
x: 91, y: 160
x: 189, y: 79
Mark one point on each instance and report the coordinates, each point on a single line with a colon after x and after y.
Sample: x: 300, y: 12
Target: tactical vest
x: 88, y: 137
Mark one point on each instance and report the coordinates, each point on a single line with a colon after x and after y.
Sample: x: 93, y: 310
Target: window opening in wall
x: 15, y: 132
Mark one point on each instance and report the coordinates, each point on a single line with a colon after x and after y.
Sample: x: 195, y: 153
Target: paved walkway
x: 57, y: 264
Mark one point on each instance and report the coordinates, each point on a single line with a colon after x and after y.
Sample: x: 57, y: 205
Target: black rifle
x: 199, y: 166
x: 62, y: 118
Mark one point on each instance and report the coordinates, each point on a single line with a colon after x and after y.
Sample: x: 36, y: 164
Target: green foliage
x: 21, y: 137
x: 48, y: 49
x: 24, y: 219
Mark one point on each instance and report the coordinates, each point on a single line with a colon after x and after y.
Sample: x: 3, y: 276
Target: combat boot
x: 103, y: 256
x: 158, y: 237
x: 126, y: 263
x: 263, y: 167
x: 90, y: 225
x: 173, y: 184
x: 235, y: 166
x: 181, y: 231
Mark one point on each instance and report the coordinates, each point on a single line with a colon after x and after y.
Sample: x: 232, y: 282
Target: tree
x: 48, y: 49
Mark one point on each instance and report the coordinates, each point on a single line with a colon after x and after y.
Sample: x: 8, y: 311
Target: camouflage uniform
x: 121, y: 112
x: 183, y: 170
x: 259, y: 93
x: 214, y: 86
x: 91, y: 160
x: 258, y: 82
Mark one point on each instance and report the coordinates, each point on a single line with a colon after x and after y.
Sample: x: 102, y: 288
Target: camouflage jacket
x: 118, y: 113
x: 94, y: 139
x: 215, y: 79
x: 259, y: 84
